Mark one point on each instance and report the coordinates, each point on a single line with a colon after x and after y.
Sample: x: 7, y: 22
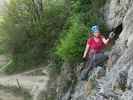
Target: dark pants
x: 97, y: 59
x: 93, y: 61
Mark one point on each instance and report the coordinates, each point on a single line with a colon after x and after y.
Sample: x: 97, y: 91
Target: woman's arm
x: 105, y: 41
x: 86, y: 50
x: 111, y: 36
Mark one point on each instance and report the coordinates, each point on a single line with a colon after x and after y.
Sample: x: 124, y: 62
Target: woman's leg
x: 99, y: 58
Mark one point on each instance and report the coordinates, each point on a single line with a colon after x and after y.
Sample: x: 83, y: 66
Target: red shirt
x: 96, y: 46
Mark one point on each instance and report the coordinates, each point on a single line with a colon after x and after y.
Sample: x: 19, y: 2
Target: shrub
x: 32, y: 31
x: 72, y: 44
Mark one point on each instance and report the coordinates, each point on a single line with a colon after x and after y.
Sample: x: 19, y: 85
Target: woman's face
x: 97, y: 34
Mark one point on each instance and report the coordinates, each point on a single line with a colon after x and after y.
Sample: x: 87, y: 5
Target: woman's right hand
x: 84, y: 57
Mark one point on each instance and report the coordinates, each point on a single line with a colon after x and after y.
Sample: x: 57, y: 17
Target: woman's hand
x: 84, y: 56
x: 105, y: 41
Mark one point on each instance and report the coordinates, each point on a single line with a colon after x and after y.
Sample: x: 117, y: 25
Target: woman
x: 94, y: 49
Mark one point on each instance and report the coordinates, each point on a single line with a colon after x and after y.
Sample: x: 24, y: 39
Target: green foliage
x: 32, y: 31
x: 91, y: 11
x: 55, y: 67
x: 71, y: 46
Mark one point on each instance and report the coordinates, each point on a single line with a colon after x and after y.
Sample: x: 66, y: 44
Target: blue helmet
x: 95, y: 29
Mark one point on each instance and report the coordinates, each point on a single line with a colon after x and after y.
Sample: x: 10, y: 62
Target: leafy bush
x: 71, y: 45
x: 32, y: 30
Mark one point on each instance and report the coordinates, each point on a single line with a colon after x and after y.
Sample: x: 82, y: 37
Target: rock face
x: 118, y: 83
